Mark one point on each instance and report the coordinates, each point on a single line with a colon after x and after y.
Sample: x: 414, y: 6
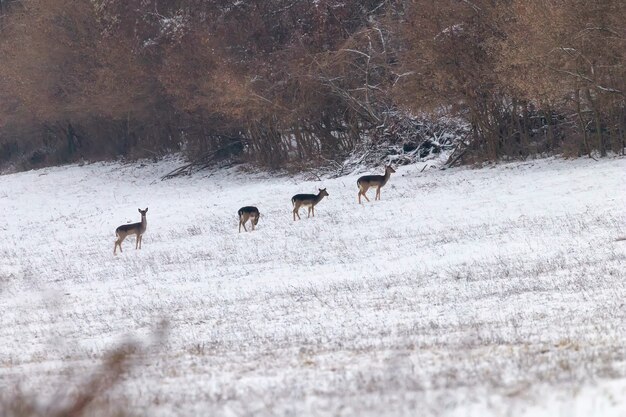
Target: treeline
x: 295, y: 81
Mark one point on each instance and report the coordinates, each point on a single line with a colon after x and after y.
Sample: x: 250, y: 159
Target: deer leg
x: 140, y: 238
x: 295, y: 212
x: 313, y: 210
x: 363, y: 191
x: 378, y: 193
x: 118, y: 242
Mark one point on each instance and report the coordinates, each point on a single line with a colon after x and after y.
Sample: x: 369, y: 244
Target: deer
x: 248, y: 213
x: 365, y: 182
x: 307, y: 200
x: 137, y: 229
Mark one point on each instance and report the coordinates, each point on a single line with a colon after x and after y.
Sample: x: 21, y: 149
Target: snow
x: 467, y: 292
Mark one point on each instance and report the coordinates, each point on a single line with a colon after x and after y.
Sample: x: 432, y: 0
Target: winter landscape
x: 497, y: 291
x: 488, y: 280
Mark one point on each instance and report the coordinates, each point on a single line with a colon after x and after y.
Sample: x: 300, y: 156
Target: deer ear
x: 146, y: 209
x: 139, y: 210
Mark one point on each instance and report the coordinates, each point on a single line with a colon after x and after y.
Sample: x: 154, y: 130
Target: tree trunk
x: 600, y: 139
x: 582, y: 123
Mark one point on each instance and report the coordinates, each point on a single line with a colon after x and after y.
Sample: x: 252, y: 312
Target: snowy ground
x: 499, y: 291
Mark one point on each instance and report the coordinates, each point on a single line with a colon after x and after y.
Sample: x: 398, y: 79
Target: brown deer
x: 365, y: 182
x: 248, y: 213
x: 137, y: 229
x: 307, y: 200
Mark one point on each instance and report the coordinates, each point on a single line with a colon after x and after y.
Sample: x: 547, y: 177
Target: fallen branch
x: 454, y: 159
x: 202, y: 162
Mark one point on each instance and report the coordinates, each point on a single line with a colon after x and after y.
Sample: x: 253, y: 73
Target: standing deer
x: 248, y: 213
x: 307, y: 200
x: 365, y: 182
x: 137, y: 229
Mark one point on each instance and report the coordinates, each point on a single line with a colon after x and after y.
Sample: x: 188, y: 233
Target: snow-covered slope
x: 498, y: 291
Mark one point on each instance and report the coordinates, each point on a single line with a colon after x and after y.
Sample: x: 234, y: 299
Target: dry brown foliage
x: 86, y: 398
x: 279, y: 81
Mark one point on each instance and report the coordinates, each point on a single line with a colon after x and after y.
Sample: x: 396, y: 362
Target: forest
x: 281, y: 83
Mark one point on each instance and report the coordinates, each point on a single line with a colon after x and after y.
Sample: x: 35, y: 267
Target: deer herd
x: 252, y: 214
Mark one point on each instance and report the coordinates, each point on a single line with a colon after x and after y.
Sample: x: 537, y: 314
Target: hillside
x: 497, y: 291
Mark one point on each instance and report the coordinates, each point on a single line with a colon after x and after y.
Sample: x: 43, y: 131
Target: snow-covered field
x: 499, y: 291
